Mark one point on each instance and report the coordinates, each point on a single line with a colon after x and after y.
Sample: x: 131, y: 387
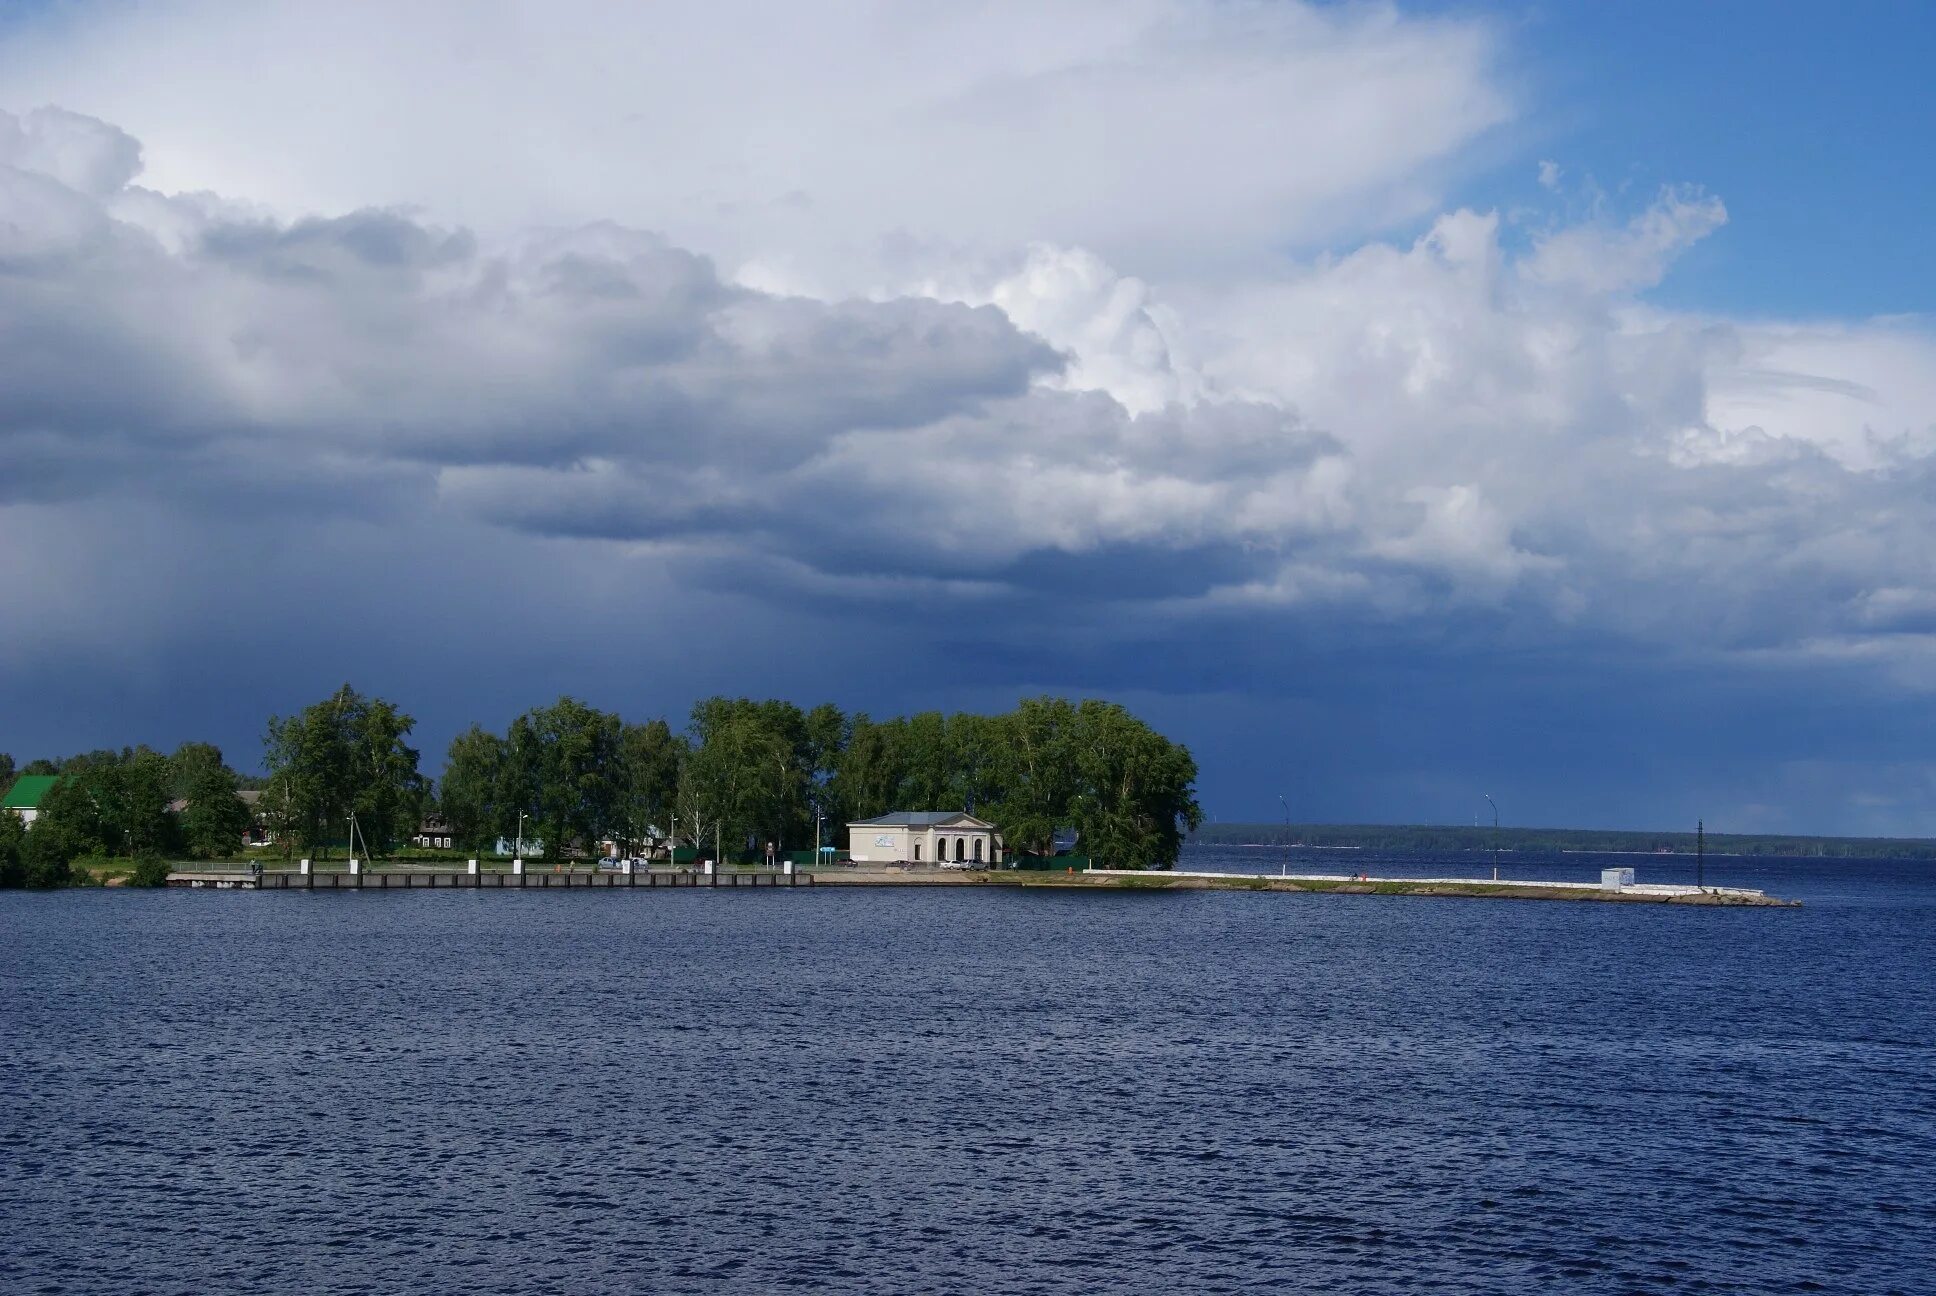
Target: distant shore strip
x: 1088, y: 879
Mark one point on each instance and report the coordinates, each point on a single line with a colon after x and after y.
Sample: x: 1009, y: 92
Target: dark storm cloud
x: 245, y: 458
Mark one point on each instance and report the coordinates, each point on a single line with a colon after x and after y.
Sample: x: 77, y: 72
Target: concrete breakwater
x: 449, y: 879
x: 1327, y: 883
x: 1478, y: 888
x: 1091, y: 879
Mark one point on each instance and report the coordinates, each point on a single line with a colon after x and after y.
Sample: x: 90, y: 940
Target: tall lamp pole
x: 1495, y: 835
x: 1286, y: 871
x: 519, y: 851
x: 1700, y: 854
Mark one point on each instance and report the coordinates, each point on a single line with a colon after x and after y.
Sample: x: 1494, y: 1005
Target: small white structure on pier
x: 925, y: 837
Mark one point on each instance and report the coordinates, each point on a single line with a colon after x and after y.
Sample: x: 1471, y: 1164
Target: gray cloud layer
x: 1020, y: 471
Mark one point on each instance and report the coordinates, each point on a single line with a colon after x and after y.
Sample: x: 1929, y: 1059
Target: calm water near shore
x: 976, y: 1091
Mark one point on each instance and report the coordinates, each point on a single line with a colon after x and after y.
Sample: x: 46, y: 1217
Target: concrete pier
x: 405, y: 879
x: 525, y: 878
x: 1349, y: 883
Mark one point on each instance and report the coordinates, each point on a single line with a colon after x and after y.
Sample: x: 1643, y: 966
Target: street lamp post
x: 519, y: 852
x: 1285, y: 871
x: 1495, y: 835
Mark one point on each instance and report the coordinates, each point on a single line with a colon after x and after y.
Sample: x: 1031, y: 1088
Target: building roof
x: 920, y: 819
x: 27, y: 791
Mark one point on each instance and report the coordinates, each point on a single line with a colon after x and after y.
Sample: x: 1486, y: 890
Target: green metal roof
x: 27, y: 791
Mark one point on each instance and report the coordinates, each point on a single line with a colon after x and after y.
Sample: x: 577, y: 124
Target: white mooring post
x: 472, y: 870
x: 517, y: 868
x: 786, y: 868
x: 303, y: 867
x: 625, y: 867
x: 706, y: 867
x: 356, y: 866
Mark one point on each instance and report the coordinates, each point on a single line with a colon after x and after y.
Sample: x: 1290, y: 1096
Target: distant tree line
x: 746, y: 772
x: 116, y: 804
x: 566, y: 776
x: 1459, y: 837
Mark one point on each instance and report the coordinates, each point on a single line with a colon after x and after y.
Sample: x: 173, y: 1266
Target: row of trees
x: 742, y: 772
x: 345, y: 756
x: 746, y: 772
x: 110, y: 803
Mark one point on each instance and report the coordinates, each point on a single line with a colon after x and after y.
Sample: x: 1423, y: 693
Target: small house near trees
x: 24, y: 797
x: 925, y: 837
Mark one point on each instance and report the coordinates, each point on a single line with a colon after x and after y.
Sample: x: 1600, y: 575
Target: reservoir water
x: 975, y: 1090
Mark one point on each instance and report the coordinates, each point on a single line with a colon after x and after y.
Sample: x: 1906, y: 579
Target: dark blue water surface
x: 974, y: 1091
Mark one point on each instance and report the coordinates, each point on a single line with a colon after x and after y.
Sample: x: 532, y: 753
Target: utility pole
x: 1286, y: 870
x: 1495, y: 835
x: 1700, y: 854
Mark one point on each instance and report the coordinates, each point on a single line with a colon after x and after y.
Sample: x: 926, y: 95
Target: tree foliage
x: 650, y: 756
x: 13, y: 864
x: 744, y: 772
x: 472, y: 794
x: 562, y: 768
x: 344, y: 755
x: 214, y: 819
x: 579, y: 776
x: 105, y: 804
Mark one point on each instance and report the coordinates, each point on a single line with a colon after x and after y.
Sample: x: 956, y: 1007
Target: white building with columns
x: 925, y: 837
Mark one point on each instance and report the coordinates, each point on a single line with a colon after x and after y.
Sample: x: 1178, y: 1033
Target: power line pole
x: 1495, y: 834
x: 1286, y: 872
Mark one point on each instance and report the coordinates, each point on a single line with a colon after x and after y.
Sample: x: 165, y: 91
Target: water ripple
x: 967, y: 1092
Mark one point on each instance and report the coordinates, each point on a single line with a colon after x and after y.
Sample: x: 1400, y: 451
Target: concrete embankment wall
x: 1094, y: 879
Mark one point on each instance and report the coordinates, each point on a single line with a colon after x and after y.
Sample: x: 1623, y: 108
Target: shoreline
x: 1089, y: 879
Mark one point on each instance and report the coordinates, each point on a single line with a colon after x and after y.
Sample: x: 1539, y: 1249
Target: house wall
x: 877, y: 845
x: 956, y: 838
x: 895, y: 845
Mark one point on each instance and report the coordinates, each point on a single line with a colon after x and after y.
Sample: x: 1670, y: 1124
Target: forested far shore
x: 570, y: 780
x: 1459, y: 837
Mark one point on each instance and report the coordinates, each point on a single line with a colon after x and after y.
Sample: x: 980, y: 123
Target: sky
x: 1395, y: 403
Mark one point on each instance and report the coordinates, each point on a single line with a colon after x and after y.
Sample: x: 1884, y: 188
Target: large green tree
x: 66, y: 829
x: 215, y: 819
x: 13, y: 867
x: 868, y: 770
x: 471, y: 793
x: 563, y: 769
x: 1036, y: 773
x: 1135, y: 796
x: 745, y: 779
x: 344, y: 755
x: 650, y: 756
x: 129, y: 792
